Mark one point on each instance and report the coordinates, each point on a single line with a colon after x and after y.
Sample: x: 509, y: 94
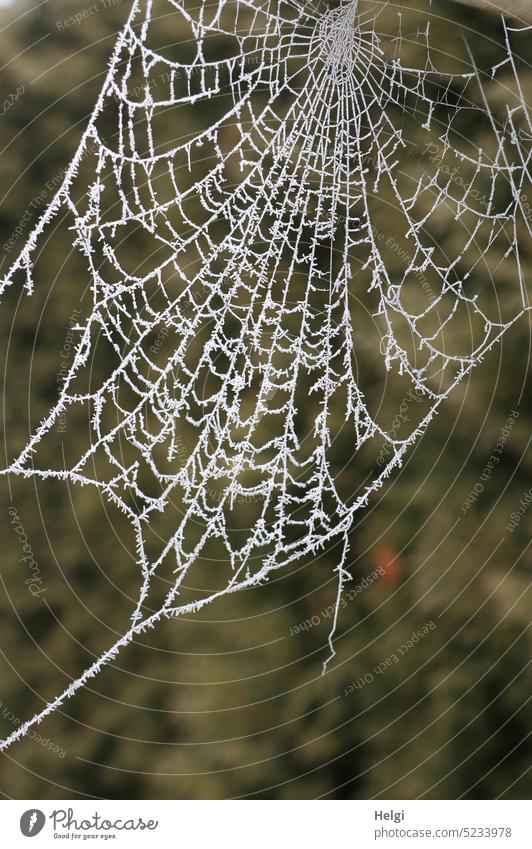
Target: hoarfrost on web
x: 261, y: 235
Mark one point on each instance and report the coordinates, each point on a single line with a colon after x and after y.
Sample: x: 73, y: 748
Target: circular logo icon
x: 32, y: 822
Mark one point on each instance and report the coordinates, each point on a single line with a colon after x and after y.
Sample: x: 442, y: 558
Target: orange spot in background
x: 387, y: 559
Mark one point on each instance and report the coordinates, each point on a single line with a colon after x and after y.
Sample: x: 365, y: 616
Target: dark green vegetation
x: 231, y: 702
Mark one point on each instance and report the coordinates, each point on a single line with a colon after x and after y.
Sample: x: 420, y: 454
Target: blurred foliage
x: 232, y: 702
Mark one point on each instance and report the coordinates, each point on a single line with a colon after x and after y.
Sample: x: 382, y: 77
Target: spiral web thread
x: 315, y: 127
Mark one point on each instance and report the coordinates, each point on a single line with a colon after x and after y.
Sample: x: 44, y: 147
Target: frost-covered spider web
x: 241, y: 271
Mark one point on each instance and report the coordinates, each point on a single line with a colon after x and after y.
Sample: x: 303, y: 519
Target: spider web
x: 260, y: 237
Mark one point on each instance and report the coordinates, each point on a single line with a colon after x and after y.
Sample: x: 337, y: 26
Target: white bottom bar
x: 266, y: 824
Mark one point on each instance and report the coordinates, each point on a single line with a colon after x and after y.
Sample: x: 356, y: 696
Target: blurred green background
x: 231, y: 702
